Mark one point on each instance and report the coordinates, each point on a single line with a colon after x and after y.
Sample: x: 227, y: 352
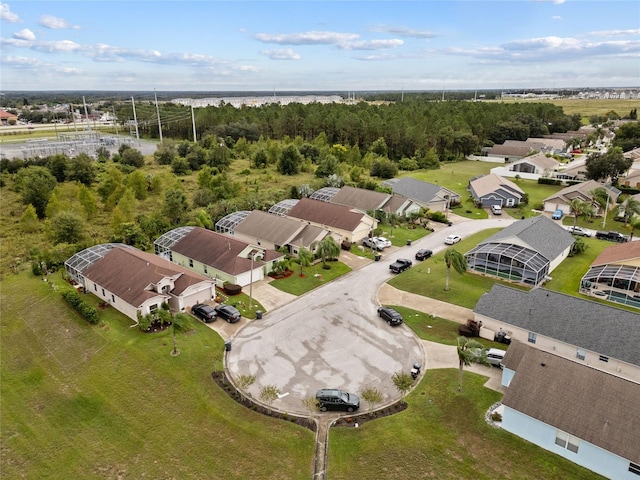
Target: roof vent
x: 543, y: 364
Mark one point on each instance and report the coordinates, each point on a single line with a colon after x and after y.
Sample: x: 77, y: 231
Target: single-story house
x: 526, y: 251
x: 428, y: 195
x: 562, y: 199
x: 491, y: 189
x: 7, y: 118
x: 634, y: 154
x: 598, y: 335
x: 344, y: 223
x: 273, y: 231
x: 632, y: 179
x: 585, y: 415
x: 510, y: 152
x: 576, y: 170
x: 217, y: 256
x: 555, y: 145
x: 133, y: 281
x: 370, y: 201
x: 615, y: 275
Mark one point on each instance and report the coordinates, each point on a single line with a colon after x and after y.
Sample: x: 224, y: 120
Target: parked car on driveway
x: 204, y: 312
x: 423, y: 254
x: 390, y: 316
x: 228, y: 313
x: 385, y: 241
x: 451, y: 239
x: 334, y: 399
x: 495, y: 356
x: 579, y: 231
x: 496, y: 209
x: 557, y: 215
x: 373, y: 243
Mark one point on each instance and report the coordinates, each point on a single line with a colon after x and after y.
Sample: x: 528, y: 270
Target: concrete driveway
x: 332, y: 336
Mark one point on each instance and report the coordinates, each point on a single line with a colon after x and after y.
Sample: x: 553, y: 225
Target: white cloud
x: 55, y: 23
x: 371, y: 44
x: 7, y: 15
x: 282, y: 54
x: 614, y: 33
x: 404, y: 31
x: 307, y: 38
x: 26, y: 63
x: 556, y: 17
x: 25, y: 34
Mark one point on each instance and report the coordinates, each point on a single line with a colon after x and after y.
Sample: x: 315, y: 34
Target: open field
x: 587, y: 107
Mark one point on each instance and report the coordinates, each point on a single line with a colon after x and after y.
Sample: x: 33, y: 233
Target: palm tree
x: 305, y: 257
x: 634, y: 222
x: 179, y: 324
x: 454, y: 258
x: 631, y: 208
x: 326, y: 248
x: 601, y: 197
x: 577, y: 208
x: 469, y: 351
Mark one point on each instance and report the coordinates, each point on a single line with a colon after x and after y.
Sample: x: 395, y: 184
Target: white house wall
x: 119, y: 304
x: 506, y: 172
x: 589, y: 456
x: 559, y: 259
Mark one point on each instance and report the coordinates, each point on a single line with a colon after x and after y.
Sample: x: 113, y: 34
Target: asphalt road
x: 333, y: 338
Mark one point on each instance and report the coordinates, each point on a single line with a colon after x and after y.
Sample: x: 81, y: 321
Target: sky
x: 318, y: 45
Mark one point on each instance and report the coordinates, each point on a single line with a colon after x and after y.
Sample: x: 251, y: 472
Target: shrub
x: 232, y: 289
x: 73, y: 298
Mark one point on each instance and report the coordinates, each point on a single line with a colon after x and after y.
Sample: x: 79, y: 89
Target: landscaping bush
x: 232, y: 289
x: 73, y: 298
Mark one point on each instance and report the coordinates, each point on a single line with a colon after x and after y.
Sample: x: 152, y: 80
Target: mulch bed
x: 358, y: 420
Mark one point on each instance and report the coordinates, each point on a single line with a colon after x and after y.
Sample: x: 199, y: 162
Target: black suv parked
x: 390, y: 316
x: 228, y: 313
x: 333, y: 399
x: 204, y: 312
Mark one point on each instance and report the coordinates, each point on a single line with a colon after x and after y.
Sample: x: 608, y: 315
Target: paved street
x: 332, y: 336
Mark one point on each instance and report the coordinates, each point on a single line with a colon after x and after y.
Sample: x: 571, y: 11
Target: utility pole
x: 135, y: 119
x: 158, y: 112
x: 193, y: 122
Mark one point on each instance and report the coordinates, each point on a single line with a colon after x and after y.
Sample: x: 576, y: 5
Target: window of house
x: 205, y: 269
x: 532, y: 337
x: 153, y: 308
x: 580, y: 355
x: 604, y: 359
x: 634, y: 468
x: 113, y: 298
x: 567, y: 441
x: 95, y: 287
x: 103, y: 292
x: 191, y: 263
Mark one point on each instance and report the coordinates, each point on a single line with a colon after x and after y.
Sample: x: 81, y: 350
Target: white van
x: 496, y: 209
x: 495, y: 356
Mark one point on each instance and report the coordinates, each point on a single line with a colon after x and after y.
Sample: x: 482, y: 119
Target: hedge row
x: 74, y: 299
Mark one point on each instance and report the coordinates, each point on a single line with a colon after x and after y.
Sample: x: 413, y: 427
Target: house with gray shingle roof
x: 428, y: 195
x: 344, y: 223
x: 592, y: 333
x: 492, y: 189
x: 581, y: 191
x: 370, y: 200
x: 217, y: 256
x: 583, y: 414
x: 526, y: 251
x: 133, y: 281
x: 615, y: 275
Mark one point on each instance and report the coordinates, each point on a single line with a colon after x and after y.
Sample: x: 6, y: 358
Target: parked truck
x: 400, y: 265
x: 612, y: 237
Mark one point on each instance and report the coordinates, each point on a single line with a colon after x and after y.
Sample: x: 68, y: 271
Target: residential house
x: 274, y: 231
x: 615, y: 275
x: 583, y: 191
x: 491, y: 189
x: 583, y: 414
x: 631, y: 180
x: 510, y: 152
x: 133, y: 281
x: 428, y: 195
x: 591, y: 333
x: 217, y: 256
x: 370, y: 201
x: 532, y: 167
x: 575, y: 170
x: 7, y: 118
x: 526, y: 251
x: 344, y: 223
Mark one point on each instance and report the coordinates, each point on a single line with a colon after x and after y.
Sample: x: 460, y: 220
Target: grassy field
x: 442, y: 435
x: 111, y: 402
x: 587, y: 108
x: 313, y: 277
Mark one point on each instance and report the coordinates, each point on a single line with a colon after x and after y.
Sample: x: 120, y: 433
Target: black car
x: 228, y: 313
x: 333, y: 399
x: 390, y: 316
x: 204, y: 312
x: 423, y: 254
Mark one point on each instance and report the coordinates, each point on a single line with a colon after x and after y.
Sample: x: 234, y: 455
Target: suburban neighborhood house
x: 133, y: 281
x: 370, y: 201
x: 271, y: 231
x: 615, y: 275
x: 7, y: 118
x: 586, y: 415
x: 343, y: 222
x: 428, y: 195
x: 532, y: 167
x: 491, y: 189
x: 526, y: 251
x: 216, y: 256
x: 582, y: 191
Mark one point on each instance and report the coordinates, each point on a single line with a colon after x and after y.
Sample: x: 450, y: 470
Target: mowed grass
x: 442, y: 435
x: 312, y: 277
x: 108, y: 401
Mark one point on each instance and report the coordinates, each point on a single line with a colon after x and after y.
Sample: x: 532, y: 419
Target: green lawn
x: 442, y: 435
x: 313, y: 277
x: 108, y: 401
